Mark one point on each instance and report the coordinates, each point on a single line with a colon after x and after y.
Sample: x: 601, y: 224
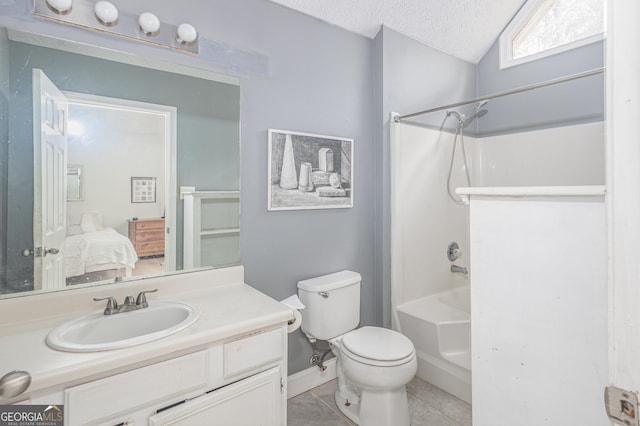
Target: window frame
x: 527, y: 12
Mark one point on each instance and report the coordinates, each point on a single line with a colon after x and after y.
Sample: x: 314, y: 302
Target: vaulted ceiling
x: 463, y: 28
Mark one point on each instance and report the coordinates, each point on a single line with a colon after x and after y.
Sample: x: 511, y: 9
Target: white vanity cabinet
x: 236, y: 382
x: 251, y: 401
x: 227, y: 368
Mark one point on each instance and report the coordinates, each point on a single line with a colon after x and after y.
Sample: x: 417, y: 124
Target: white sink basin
x: 99, y: 332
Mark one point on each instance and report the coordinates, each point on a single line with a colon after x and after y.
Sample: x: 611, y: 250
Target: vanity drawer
x: 125, y: 392
x: 252, y: 352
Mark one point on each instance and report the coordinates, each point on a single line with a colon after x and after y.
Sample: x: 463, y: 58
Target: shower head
x: 460, y: 116
x: 481, y: 104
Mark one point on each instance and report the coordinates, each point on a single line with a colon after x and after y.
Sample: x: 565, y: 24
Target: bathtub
x: 440, y: 328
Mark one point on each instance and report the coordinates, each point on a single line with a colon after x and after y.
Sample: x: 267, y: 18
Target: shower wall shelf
x: 532, y: 191
x: 211, y: 227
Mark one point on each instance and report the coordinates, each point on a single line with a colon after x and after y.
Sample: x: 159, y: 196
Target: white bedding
x: 102, y: 247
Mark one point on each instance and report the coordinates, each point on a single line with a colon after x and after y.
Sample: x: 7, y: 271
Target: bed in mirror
x: 98, y: 151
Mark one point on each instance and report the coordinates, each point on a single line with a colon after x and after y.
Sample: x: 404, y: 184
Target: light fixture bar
x: 83, y: 14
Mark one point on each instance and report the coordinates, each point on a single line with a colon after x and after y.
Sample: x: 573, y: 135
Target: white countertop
x: 229, y: 308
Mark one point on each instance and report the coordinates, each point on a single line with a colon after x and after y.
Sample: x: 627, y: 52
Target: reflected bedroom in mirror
x: 112, y: 171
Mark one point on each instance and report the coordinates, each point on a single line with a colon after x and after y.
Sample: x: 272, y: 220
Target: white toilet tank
x: 332, y: 304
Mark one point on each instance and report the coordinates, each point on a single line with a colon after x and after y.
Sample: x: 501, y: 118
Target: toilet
x: 373, y: 364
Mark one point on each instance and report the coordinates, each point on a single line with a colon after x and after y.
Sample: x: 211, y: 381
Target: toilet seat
x: 377, y: 346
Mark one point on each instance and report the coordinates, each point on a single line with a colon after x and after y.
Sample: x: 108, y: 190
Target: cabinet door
x: 254, y: 401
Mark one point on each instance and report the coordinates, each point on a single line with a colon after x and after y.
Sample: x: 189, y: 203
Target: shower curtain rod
x: 398, y: 118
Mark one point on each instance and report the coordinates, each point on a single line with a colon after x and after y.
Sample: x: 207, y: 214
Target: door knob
x: 40, y: 252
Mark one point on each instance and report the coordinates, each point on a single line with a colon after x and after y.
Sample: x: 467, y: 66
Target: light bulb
x: 149, y: 23
x: 106, y: 13
x: 61, y: 7
x: 187, y: 34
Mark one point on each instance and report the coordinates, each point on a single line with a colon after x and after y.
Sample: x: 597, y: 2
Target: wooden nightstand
x: 147, y: 236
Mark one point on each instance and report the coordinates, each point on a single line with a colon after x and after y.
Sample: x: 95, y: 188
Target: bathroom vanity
x: 230, y: 365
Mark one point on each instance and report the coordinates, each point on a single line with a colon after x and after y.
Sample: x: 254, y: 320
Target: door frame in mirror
x: 170, y: 156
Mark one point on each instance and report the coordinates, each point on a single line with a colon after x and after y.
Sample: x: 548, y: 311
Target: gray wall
x: 320, y: 82
x: 579, y: 101
x: 317, y: 79
x: 414, y: 77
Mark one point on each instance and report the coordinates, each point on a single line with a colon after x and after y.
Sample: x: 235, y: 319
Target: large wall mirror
x: 101, y: 156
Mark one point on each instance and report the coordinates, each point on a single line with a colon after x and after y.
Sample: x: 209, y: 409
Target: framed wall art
x: 308, y: 171
x: 143, y: 190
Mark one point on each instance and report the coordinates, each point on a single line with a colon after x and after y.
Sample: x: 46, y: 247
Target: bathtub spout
x: 459, y: 269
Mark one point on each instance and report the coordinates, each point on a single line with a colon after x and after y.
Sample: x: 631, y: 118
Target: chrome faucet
x: 130, y: 304
x: 459, y: 269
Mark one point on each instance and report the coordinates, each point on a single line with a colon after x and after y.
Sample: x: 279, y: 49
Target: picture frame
x: 309, y: 171
x: 143, y: 190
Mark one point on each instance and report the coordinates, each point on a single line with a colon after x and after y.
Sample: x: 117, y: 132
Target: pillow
x: 91, y: 221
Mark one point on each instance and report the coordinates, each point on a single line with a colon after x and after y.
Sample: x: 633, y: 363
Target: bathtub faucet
x: 459, y: 269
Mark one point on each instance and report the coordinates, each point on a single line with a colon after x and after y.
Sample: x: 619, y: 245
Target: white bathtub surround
x: 567, y: 156
x: 237, y: 324
x: 424, y: 221
x: 440, y: 327
x: 539, y: 297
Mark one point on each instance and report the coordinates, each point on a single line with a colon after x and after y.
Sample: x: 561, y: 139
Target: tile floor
x: 428, y: 406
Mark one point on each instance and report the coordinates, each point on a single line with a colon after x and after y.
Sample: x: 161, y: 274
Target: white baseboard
x: 304, y: 380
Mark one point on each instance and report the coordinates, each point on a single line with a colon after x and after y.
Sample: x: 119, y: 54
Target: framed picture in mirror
x: 143, y: 190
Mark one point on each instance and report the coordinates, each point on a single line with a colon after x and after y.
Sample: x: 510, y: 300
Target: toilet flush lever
x: 323, y: 294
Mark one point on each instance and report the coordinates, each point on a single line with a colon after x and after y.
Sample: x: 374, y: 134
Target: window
x: 545, y: 27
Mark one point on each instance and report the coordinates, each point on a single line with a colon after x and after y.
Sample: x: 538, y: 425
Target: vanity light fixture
x: 149, y: 23
x: 61, y: 7
x: 106, y: 13
x: 103, y: 16
x: 187, y: 34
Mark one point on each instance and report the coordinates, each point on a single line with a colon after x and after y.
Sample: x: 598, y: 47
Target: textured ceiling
x: 463, y: 28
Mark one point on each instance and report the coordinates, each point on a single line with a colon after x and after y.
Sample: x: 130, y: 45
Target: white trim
x: 397, y: 226
x: 530, y: 9
x: 623, y: 182
x: 305, y: 380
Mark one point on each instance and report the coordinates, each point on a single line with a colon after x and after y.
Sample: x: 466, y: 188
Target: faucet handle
x: 112, y: 304
x: 141, y: 300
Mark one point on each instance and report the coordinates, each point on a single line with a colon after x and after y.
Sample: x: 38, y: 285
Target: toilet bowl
x: 373, y: 364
